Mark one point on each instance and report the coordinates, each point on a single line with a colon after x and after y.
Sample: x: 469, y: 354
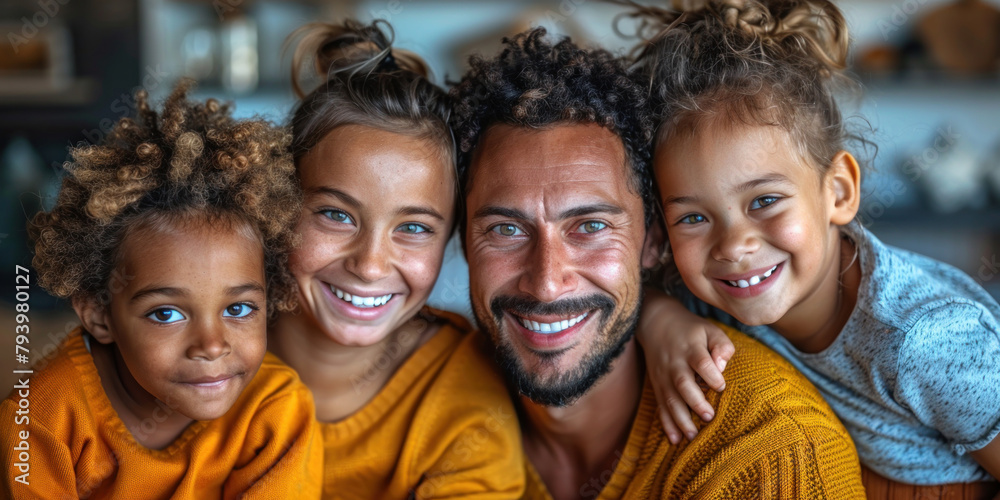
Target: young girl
x: 410, y: 405
x: 170, y: 238
x: 759, y: 198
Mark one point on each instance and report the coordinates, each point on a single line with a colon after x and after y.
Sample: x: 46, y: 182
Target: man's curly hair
x: 533, y: 83
x: 191, y: 159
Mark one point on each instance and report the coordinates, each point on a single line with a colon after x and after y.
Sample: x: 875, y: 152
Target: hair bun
x: 350, y: 47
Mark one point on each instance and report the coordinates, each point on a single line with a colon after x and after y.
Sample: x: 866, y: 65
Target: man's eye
x: 592, y: 226
x: 692, y: 219
x: 337, y: 216
x: 165, y: 315
x: 507, y: 230
x: 239, y: 310
x: 762, y: 202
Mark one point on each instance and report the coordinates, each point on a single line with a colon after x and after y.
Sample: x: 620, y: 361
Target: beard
x: 562, y: 389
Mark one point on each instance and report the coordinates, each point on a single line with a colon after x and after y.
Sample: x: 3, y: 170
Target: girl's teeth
x: 753, y: 279
x: 363, y: 302
x: 554, y: 327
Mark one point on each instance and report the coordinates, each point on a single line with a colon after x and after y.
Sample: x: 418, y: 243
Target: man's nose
x: 550, y: 272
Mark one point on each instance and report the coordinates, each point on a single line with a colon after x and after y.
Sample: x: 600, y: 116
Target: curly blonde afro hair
x: 190, y: 159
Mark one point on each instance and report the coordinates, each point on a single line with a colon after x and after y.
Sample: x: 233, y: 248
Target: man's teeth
x: 555, y: 327
x: 358, y: 301
x: 753, y: 280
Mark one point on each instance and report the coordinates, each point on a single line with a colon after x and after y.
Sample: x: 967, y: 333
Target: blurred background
x: 68, y: 68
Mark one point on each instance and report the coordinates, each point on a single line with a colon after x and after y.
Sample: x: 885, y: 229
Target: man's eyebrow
x: 596, y: 208
x: 493, y: 210
x: 346, y: 198
x: 159, y: 290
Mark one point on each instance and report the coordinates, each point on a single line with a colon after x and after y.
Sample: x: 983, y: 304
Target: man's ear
x: 843, y: 180
x: 95, y: 318
x: 652, y: 246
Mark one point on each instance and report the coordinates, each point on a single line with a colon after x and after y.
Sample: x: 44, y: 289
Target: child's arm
x: 678, y: 344
x: 989, y: 458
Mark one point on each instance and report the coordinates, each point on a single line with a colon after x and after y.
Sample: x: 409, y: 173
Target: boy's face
x: 749, y: 222
x: 190, y: 324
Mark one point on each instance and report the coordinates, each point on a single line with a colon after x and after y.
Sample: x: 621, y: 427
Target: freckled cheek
x: 420, y: 269
x: 313, y: 254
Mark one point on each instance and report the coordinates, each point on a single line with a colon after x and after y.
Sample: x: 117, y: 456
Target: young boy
x: 170, y: 238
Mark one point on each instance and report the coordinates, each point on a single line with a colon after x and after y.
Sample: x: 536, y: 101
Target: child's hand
x: 678, y: 344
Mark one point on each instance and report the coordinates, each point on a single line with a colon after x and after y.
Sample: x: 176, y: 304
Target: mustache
x: 524, y: 306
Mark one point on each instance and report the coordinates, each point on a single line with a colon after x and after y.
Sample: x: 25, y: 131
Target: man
x: 553, y: 164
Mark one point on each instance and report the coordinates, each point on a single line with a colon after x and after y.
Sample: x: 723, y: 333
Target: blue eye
x: 414, y: 228
x: 692, y: 219
x: 337, y: 216
x: 592, y: 226
x: 165, y: 315
x: 507, y: 230
x: 763, y: 201
x: 239, y: 310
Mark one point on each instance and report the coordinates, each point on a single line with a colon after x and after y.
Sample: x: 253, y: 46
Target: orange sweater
x: 773, y: 436
x: 266, y: 446
x: 442, y: 427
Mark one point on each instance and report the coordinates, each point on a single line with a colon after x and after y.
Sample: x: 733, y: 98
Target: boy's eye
x: 762, y: 202
x: 165, y: 315
x: 239, y: 310
x: 692, y: 219
x: 507, y: 230
x: 337, y: 216
x: 413, y: 228
x: 592, y: 226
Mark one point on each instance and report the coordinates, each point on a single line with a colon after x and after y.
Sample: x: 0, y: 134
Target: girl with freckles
x: 171, y: 239
x: 759, y: 197
x: 409, y: 403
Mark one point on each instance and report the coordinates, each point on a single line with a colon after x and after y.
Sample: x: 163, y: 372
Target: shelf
x: 917, y: 218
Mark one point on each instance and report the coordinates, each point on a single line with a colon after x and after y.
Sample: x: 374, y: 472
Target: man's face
x: 554, y: 243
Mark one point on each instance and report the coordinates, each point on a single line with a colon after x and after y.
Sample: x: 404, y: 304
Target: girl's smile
x: 377, y: 214
x: 752, y: 223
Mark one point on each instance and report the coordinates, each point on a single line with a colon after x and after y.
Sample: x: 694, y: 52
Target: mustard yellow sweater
x: 773, y: 437
x: 442, y: 427
x: 266, y: 446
